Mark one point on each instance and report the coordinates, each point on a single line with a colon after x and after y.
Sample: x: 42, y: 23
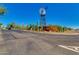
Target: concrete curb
x: 57, y: 33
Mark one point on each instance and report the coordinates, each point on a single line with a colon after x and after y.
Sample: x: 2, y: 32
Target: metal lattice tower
x: 42, y: 17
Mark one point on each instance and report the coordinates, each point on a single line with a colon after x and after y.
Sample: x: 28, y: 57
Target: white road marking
x: 72, y: 48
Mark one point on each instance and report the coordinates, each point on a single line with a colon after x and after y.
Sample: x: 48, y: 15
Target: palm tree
x: 2, y: 11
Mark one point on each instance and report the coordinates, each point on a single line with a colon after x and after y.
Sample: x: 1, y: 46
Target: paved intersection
x: 14, y: 42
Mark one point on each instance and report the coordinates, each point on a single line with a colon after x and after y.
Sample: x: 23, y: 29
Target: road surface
x: 16, y: 42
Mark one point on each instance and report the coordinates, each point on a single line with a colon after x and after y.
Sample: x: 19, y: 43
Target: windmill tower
x: 42, y: 18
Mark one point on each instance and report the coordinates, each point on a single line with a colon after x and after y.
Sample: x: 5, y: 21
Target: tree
x: 2, y: 10
x: 1, y: 25
x: 29, y: 27
x: 10, y: 25
x: 56, y: 28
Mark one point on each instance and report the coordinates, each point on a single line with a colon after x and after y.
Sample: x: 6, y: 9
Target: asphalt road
x: 15, y: 42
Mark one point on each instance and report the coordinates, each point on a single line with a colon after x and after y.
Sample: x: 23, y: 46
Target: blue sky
x: 63, y: 14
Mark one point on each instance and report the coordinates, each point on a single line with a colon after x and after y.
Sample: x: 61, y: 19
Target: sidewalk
x: 57, y: 33
x: 1, y: 38
x: 3, y: 49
